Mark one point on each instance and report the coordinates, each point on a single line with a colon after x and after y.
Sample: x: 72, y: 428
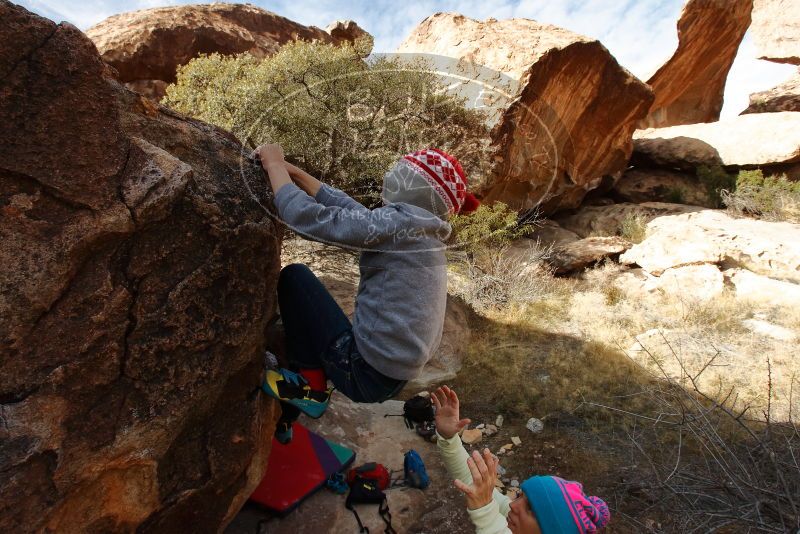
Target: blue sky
x: 640, y: 33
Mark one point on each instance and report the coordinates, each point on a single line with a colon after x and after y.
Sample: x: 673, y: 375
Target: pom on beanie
x: 431, y: 179
x: 471, y: 203
x: 561, y: 506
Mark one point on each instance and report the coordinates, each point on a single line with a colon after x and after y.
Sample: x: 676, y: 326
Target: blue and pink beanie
x: 562, y: 507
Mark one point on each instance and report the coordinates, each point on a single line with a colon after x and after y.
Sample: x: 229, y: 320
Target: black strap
x: 361, y: 528
x: 409, y: 423
x: 383, y: 510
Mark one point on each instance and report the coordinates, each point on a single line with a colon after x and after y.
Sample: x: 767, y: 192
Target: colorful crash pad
x: 298, y: 469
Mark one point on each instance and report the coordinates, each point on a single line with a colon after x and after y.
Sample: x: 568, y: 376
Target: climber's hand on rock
x: 269, y: 154
x: 448, y: 422
x: 484, y: 475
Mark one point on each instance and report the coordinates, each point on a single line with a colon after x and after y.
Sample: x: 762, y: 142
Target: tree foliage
x: 341, y: 117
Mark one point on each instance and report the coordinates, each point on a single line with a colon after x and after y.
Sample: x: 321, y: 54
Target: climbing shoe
x: 292, y: 388
x: 283, y: 432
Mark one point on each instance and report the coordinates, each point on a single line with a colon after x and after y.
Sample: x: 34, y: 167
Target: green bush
x: 340, y: 117
x: 771, y: 197
x: 490, y: 226
x: 716, y: 180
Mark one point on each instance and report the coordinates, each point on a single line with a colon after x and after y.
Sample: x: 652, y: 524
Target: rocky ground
x: 375, y: 438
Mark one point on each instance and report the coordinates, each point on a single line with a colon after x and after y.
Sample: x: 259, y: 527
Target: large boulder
x: 146, y: 47
x: 782, y: 97
x: 711, y: 236
x: 569, y: 114
x: 747, y: 141
x: 137, y: 274
x: 689, y: 88
x: 776, y: 30
x: 548, y: 233
x: 694, y: 283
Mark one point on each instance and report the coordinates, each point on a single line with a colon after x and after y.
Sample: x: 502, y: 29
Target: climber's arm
x: 305, y: 181
x: 271, y: 157
x: 322, y: 193
x: 356, y: 227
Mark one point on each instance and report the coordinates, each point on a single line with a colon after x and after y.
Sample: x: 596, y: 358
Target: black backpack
x: 417, y: 410
x: 367, y: 491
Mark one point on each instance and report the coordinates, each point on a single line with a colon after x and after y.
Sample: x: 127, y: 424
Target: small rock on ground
x: 534, y: 425
x: 471, y: 436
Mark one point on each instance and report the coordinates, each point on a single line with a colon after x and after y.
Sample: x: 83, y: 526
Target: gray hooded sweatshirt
x: 402, y: 293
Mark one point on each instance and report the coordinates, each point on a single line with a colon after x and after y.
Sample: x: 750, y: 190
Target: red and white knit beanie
x: 430, y: 179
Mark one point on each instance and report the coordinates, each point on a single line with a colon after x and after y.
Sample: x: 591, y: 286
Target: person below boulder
x: 400, y: 305
x: 547, y: 504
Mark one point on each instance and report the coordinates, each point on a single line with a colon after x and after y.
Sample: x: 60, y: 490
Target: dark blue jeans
x: 319, y: 334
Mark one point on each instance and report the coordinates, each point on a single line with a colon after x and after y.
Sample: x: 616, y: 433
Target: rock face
x: 783, y: 97
x: 753, y: 140
x: 549, y: 234
x: 345, y: 31
x: 758, y: 288
x: 688, y: 283
x: 689, y: 88
x: 660, y: 185
x: 137, y: 274
x: 607, y: 220
x: 711, y: 236
x: 568, y: 118
x: 692, y: 282
x: 147, y: 46
x: 776, y: 30
x: 580, y: 254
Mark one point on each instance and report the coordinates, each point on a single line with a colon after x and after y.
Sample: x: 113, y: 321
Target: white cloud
x: 641, y: 34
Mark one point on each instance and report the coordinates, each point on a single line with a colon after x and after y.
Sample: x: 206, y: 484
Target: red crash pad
x: 299, y: 469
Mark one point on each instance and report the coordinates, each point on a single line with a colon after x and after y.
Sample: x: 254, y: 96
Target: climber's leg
x: 312, y: 319
x: 283, y: 429
x: 353, y: 376
x: 319, y: 335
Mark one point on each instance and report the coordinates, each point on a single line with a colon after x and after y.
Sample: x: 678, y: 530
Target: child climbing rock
x: 547, y: 505
x: 400, y: 304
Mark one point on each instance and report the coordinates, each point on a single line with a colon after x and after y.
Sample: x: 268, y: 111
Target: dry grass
x: 498, y: 278
x: 697, y: 330
x: 595, y: 322
x: 634, y: 228
x: 516, y: 364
